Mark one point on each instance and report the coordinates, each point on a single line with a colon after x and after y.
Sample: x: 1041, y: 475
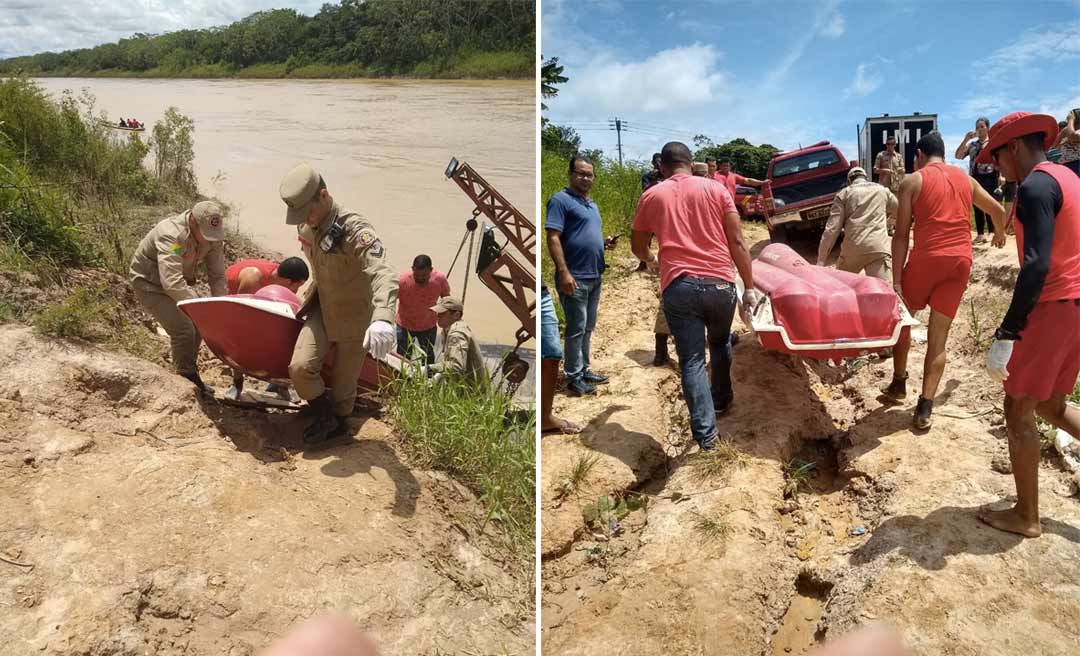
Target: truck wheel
x: 778, y: 234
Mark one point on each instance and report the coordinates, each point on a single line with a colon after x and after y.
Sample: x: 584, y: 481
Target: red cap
x: 1016, y: 125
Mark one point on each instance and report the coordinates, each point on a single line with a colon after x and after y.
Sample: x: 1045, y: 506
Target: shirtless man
x: 937, y: 273
x: 1036, y: 350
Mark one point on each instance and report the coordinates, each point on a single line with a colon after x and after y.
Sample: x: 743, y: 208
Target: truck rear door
x: 913, y: 130
x: 879, y: 130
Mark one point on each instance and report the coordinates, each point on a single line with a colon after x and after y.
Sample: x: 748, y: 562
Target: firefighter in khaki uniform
x: 163, y: 271
x: 349, y: 303
x: 460, y: 355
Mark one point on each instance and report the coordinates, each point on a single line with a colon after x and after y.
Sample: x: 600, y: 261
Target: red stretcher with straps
x: 822, y: 313
x: 256, y: 333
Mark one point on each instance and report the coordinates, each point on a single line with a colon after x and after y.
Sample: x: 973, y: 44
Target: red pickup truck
x: 799, y: 189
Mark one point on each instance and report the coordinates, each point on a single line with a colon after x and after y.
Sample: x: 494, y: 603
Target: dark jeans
x: 989, y: 183
x: 697, y: 309
x: 579, y: 311
x: 425, y: 339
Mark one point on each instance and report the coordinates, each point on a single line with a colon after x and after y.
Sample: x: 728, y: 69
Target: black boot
x: 897, y: 389
x: 661, y: 357
x: 923, y: 409
x: 323, y: 422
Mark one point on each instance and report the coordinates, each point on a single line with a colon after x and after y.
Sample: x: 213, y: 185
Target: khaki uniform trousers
x: 305, y: 369
x: 184, y: 338
x: 877, y: 265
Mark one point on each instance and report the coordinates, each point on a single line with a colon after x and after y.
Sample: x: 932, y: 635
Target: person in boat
x: 936, y: 274
x: 123, y: 123
x: 249, y: 276
x: 349, y: 303
x: 419, y: 289
x: 697, y: 228
x: 163, y: 272
x: 460, y: 355
x: 862, y: 212
x: 1036, y: 349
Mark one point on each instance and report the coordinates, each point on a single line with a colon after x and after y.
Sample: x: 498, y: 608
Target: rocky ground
x: 725, y: 557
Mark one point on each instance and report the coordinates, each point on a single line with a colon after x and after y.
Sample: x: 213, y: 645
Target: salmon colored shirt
x: 686, y: 214
x: 942, y: 213
x: 232, y: 274
x: 731, y: 181
x: 414, y: 301
x: 1063, y: 280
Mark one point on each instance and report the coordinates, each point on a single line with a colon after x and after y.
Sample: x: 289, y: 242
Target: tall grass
x: 476, y: 435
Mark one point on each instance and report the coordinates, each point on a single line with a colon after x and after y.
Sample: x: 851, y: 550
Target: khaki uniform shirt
x: 460, y: 353
x: 894, y: 164
x: 860, y: 211
x: 168, y: 255
x: 353, y: 283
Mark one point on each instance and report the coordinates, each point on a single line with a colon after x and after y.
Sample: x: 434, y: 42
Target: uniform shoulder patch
x: 176, y: 248
x: 366, y: 237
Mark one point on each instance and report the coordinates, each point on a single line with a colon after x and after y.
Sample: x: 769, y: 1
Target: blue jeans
x: 425, y: 339
x: 694, y: 308
x: 550, y: 348
x: 579, y: 311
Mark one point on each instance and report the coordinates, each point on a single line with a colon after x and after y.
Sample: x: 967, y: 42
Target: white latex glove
x: 751, y: 298
x: 998, y: 357
x: 380, y: 339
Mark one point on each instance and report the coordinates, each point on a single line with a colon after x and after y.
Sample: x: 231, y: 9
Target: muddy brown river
x: 381, y: 145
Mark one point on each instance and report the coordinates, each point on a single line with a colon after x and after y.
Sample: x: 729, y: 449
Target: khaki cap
x: 211, y: 219
x: 856, y: 170
x: 298, y: 189
x: 448, y: 304
x: 700, y: 168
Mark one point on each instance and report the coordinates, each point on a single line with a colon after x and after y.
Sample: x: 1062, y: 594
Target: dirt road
x: 136, y: 520
x: 721, y: 561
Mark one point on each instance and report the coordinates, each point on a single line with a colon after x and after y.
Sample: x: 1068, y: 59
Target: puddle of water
x: 799, y: 630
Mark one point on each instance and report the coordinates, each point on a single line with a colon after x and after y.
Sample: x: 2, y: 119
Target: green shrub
x: 478, y: 437
x: 86, y: 314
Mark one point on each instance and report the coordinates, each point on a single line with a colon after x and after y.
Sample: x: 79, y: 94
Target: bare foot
x: 562, y: 426
x: 1009, y: 520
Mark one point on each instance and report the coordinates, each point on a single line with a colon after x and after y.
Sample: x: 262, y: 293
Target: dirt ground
x: 136, y: 519
x: 721, y: 562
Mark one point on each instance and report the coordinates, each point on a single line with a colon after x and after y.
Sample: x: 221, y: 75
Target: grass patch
x: 711, y: 528
x: 797, y: 474
x: 603, y: 516
x: 477, y: 436
x: 719, y: 462
x: 576, y: 475
x: 85, y: 314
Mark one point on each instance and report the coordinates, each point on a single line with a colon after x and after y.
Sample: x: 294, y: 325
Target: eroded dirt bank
x: 724, y: 559
x: 135, y: 519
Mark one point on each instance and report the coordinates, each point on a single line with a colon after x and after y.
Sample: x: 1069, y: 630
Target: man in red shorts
x: 939, y: 196
x: 249, y: 276
x: 1036, y: 351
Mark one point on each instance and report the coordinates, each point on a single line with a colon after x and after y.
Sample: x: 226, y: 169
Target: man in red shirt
x: 940, y: 196
x: 419, y: 290
x: 1036, y: 350
x: 732, y: 179
x: 701, y: 246
x: 249, y: 276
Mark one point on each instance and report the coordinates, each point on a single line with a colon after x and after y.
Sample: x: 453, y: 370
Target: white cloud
x: 834, y: 26
x: 867, y: 80
x: 1049, y: 43
x: 670, y: 80
x: 32, y: 26
x: 827, y: 22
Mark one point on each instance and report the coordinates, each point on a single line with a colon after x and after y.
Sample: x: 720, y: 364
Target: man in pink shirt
x: 731, y: 179
x: 418, y: 291
x: 701, y: 246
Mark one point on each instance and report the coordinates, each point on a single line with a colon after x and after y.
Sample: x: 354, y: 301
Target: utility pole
x: 618, y: 126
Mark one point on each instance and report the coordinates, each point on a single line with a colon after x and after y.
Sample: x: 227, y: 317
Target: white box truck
x: 907, y: 130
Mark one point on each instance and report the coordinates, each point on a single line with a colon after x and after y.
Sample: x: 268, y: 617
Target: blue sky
x: 791, y: 72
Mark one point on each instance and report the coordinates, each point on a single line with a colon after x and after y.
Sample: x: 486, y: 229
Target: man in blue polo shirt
x: 576, y: 242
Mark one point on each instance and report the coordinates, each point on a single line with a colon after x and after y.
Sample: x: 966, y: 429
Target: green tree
x: 746, y: 158
x: 550, y: 77
x: 560, y: 139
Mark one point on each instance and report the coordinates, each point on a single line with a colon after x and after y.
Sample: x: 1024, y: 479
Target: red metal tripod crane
x: 500, y: 271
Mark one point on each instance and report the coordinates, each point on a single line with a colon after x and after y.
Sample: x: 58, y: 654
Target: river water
x: 381, y: 146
